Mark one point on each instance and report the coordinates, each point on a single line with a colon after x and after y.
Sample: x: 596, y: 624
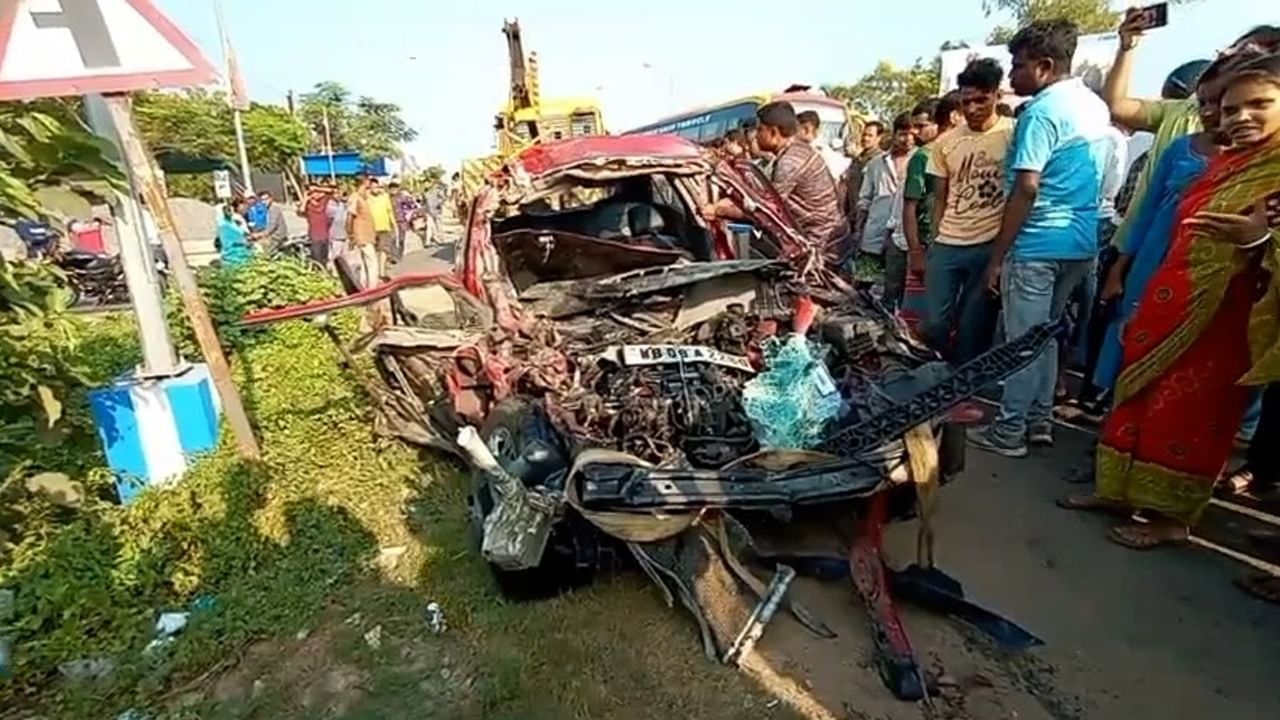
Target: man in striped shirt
x: 799, y: 176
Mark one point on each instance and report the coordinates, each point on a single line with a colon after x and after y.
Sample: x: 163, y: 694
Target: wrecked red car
x: 631, y: 384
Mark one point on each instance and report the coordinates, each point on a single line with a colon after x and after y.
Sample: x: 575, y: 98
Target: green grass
x: 288, y: 550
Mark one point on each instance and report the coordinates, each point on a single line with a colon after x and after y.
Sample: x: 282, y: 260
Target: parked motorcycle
x: 94, y: 279
x: 98, y: 279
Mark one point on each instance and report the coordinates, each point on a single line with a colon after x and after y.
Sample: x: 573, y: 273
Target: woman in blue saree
x: 1145, y: 246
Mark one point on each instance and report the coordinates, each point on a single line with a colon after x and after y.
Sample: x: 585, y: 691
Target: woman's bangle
x: 1250, y: 245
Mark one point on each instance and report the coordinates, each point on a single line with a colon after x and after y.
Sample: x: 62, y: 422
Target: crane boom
x: 520, y: 96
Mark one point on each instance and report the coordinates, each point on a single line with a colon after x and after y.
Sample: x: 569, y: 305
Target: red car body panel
x: 549, y: 158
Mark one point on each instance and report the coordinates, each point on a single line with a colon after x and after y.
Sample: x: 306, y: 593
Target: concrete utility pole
x: 142, y: 172
x: 145, y: 293
x: 238, y: 101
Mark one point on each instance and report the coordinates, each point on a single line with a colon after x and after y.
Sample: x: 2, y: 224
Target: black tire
x: 516, y: 430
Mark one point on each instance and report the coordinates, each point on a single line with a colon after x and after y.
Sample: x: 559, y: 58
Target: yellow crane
x: 527, y: 117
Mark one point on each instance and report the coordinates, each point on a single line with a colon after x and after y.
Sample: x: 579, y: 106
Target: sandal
x: 1093, y: 503
x: 1243, y: 482
x: 1235, y: 483
x: 1148, y: 535
x: 1262, y: 586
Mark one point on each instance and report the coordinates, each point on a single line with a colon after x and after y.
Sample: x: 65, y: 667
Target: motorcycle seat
x: 81, y: 260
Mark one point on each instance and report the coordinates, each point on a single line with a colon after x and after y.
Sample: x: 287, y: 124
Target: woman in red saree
x: 1205, y: 330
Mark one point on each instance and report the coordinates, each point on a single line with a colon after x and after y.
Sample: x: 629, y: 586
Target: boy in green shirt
x: 931, y: 118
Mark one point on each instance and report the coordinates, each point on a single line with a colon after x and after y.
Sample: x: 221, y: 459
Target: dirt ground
x: 1128, y: 634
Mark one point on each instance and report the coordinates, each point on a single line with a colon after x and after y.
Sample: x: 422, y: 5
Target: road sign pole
x: 145, y: 291
x: 244, y: 152
x: 145, y: 174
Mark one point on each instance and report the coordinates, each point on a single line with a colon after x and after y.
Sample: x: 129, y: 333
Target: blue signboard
x: 345, y: 164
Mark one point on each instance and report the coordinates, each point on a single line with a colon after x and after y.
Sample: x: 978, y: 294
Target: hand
x: 1236, y: 229
x: 1131, y: 28
x: 915, y: 261
x: 709, y: 212
x: 1113, y: 286
x: 993, y: 276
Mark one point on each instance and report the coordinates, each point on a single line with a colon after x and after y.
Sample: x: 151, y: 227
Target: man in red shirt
x: 318, y: 213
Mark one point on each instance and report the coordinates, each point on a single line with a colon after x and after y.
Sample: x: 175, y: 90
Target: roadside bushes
x: 232, y: 292
x: 39, y: 358
x: 256, y: 548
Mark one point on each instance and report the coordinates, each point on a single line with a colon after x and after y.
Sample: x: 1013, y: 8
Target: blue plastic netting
x: 791, y: 402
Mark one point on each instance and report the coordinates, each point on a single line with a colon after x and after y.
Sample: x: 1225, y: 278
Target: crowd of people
x: 1162, y: 266
x: 369, y: 224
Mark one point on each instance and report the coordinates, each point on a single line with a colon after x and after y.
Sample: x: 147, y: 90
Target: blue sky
x: 445, y: 63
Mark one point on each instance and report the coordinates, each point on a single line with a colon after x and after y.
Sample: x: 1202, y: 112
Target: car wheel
x: 525, y: 444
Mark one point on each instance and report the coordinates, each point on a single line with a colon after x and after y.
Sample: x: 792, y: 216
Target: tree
x: 199, y: 124
x: 361, y: 124
x: 1093, y: 16
x: 888, y: 90
x: 423, y: 180
x: 46, y: 145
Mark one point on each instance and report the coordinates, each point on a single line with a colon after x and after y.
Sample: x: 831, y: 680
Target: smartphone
x: 1154, y: 16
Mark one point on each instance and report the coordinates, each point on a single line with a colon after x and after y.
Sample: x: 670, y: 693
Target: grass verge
x: 294, y: 566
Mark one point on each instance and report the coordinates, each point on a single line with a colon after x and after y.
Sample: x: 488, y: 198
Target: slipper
x: 1093, y: 503
x: 1262, y: 586
x: 1068, y: 412
x: 1143, y: 537
x: 1078, y: 413
x: 1234, y: 483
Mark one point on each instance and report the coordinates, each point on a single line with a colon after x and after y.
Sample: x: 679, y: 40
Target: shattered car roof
x: 563, y: 155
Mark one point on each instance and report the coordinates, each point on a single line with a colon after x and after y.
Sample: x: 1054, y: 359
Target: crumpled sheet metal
x: 517, y: 529
x: 627, y: 526
x: 702, y: 570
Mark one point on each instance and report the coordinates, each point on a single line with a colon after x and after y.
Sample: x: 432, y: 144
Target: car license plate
x: 676, y: 354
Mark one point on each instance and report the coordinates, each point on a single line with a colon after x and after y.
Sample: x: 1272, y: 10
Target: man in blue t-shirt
x: 1048, y: 237
x: 256, y: 214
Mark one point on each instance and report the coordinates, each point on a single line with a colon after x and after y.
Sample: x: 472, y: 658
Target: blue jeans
x: 956, y: 296
x: 1249, y: 426
x: 1086, y: 291
x: 1033, y: 292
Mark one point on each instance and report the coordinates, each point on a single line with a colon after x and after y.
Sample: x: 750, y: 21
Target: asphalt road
x: 1160, y: 634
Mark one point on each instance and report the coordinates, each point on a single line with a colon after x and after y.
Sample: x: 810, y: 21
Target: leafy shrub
x: 233, y: 292
x: 39, y: 358
x: 268, y: 542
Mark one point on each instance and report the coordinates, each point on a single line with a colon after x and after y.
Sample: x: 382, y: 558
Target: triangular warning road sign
x: 76, y: 47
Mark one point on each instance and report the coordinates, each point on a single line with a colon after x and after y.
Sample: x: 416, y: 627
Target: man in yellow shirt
x: 383, y: 214
x: 967, y: 164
